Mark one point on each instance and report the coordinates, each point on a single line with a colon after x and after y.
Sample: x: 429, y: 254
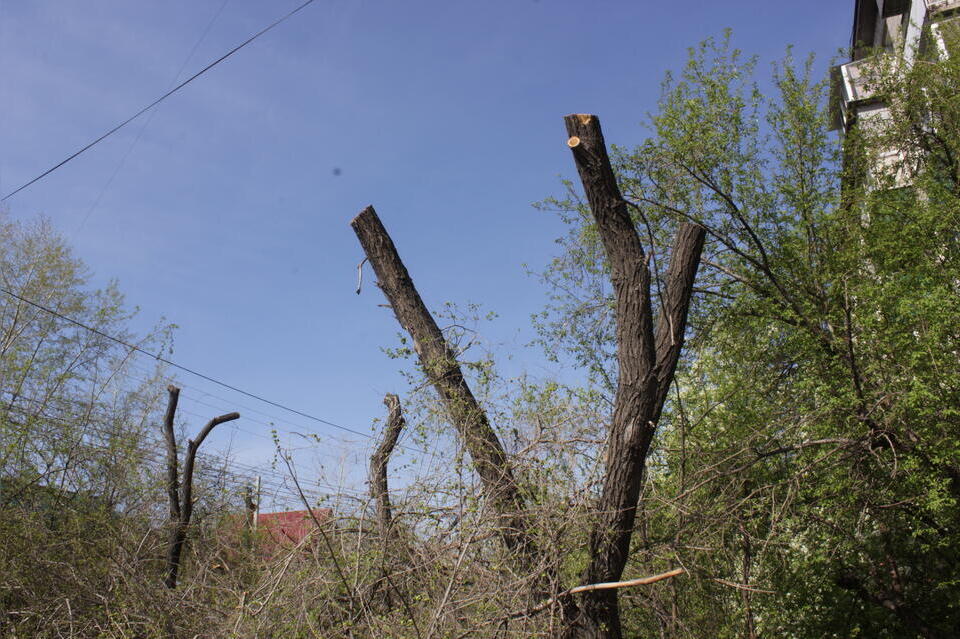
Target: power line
x: 197, y: 373
x: 160, y: 99
x: 153, y: 113
x: 216, y: 464
x: 90, y: 425
x: 157, y: 357
x: 281, y: 425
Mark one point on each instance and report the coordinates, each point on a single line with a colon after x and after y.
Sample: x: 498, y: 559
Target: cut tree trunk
x: 442, y: 370
x: 378, y: 466
x: 647, y: 356
x: 181, y: 505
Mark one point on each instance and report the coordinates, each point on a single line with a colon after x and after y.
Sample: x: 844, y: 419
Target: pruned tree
x: 378, y: 464
x: 648, y: 348
x: 180, y: 494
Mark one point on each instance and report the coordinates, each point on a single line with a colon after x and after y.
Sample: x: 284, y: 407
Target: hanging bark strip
x: 441, y: 368
x: 647, y: 357
x: 181, y: 504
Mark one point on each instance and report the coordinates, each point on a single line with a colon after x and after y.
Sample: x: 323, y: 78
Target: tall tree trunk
x: 647, y: 357
x: 441, y: 368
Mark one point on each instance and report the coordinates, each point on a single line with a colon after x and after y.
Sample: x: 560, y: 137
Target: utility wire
x: 282, y: 426
x: 153, y: 113
x: 215, y: 464
x: 196, y: 373
x: 160, y: 99
x: 90, y: 425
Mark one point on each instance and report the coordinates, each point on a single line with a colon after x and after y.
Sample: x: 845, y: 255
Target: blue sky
x: 230, y: 214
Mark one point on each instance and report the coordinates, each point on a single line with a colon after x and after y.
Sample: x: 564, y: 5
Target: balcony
x: 855, y: 87
x: 935, y: 7
x: 851, y: 89
x: 946, y: 35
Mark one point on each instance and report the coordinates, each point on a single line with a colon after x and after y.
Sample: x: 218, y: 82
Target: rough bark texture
x: 181, y: 506
x: 173, y: 484
x: 441, y: 368
x: 378, y: 464
x: 647, y: 358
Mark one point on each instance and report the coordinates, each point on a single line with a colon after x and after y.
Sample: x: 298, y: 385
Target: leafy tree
x: 808, y: 464
x: 75, y: 421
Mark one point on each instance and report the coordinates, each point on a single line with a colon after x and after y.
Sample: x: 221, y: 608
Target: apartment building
x: 905, y: 28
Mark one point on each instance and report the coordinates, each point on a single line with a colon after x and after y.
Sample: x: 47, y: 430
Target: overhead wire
x: 153, y: 113
x: 158, y: 444
x: 196, y: 373
x: 159, y: 100
x: 279, y: 424
x: 219, y: 463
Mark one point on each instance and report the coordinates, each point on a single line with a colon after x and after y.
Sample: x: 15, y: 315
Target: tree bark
x: 647, y: 358
x: 181, y: 507
x: 441, y: 368
x: 378, y: 465
x: 173, y: 485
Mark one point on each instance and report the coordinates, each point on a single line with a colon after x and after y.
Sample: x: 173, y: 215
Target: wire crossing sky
x: 157, y: 101
x: 157, y: 357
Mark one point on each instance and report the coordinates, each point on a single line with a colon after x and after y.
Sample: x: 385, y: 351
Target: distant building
x: 906, y: 28
x: 903, y: 30
x: 288, y: 529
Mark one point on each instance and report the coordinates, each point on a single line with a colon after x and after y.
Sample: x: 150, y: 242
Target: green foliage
x: 73, y: 422
x: 807, y: 469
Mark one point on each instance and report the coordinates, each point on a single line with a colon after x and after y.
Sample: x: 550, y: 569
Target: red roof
x: 291, y: 527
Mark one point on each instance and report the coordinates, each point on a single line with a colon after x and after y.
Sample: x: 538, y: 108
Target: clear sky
x: 228, y: 213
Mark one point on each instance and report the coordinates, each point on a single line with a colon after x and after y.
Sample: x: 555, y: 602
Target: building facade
x: 907, y: 29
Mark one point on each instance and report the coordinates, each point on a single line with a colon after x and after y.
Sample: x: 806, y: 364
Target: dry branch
x: 610, y: 585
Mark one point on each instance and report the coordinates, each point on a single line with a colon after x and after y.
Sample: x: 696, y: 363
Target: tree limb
x: 442, y: 370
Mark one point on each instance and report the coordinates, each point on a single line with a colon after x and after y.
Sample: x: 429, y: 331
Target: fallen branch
x: 609, y: 585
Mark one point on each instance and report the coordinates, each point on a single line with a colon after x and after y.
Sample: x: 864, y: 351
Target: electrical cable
x: 207, y: 461
x: 189, y: 370
x: 157, y: 444
x: 229, y: 405
x: 153, y: 113
x: 159, y: 100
